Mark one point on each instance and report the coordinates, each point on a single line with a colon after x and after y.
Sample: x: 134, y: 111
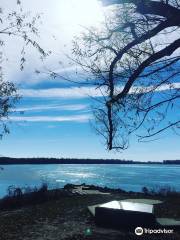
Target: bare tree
x: 15, y: 24
x: 134, y: 61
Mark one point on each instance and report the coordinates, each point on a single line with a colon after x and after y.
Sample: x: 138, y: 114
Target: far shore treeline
x: 8, y: 160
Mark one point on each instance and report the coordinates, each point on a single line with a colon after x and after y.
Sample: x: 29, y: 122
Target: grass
x: 20, y: 197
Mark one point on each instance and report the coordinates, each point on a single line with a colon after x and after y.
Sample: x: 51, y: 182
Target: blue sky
x: 60, y: 127
x: 52, y: 118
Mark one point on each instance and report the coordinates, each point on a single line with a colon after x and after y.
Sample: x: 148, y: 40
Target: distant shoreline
x: 22, y: 161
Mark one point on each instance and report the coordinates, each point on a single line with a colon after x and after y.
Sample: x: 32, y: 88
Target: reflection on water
x: 128, y: 177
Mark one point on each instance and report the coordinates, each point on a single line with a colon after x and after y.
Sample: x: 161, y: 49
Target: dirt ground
x: 69, y: 219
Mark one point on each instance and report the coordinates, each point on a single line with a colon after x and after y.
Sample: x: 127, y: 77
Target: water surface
x: 128, y: 177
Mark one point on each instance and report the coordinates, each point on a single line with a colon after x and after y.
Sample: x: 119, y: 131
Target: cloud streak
x: 74, y: 118
x: 84, y: 92
x: 73, y: 107
x: 73, y: 92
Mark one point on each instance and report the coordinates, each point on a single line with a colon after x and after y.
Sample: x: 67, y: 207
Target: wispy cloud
x: 73, y: 107
x: 163, y: 87
x: 74, y: 118
x: 83, y: 92
x: 73, y: 92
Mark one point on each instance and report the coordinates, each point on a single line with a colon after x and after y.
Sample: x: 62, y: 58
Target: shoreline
x: 19, y: 197
x: 83, y: 188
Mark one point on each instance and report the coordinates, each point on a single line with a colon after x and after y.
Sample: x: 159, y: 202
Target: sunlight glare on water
x: 127, y: 177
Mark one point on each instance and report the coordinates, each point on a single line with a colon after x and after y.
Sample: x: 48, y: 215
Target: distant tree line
x: 171, y: 161
x: 8, y: 160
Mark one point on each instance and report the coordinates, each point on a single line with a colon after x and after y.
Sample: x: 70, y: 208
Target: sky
x: 53, y: 118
